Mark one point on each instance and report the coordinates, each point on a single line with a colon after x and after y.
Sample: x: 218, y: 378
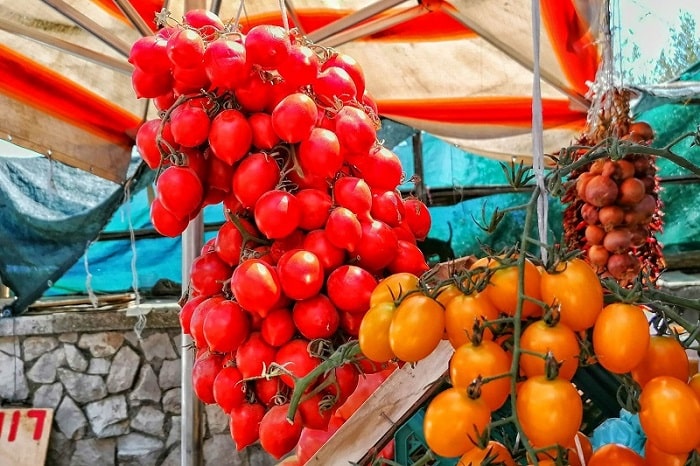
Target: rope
x: 88, y: 279
x: 141, y: 319
x: 537, y: 129
x: 285, y: 19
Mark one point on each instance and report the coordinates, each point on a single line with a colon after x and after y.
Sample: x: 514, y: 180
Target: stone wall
x: 116, y: 396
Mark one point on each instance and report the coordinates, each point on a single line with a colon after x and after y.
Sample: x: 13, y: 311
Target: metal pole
x: 421, y: 191
x: 191, y: 416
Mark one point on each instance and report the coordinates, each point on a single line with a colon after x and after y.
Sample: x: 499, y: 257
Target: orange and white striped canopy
x: 459, y: 69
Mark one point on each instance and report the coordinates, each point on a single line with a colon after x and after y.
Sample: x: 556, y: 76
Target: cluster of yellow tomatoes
x: 563, y: 321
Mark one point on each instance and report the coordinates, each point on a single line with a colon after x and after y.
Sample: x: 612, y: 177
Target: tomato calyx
x: 551, y: 314
x: 551, y: 366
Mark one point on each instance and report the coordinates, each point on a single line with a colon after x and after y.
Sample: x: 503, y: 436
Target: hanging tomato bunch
x: 283, y: 132
x: 613, y: 210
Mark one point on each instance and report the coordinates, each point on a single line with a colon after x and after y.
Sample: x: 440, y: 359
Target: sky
x: 648, y: 23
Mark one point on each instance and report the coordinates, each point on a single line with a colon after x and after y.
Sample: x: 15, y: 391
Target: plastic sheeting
x: 49, y: 212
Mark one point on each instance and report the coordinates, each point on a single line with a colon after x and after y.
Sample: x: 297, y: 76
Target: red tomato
x: 225, y: 63
x: 208, y: 273
x: 149, y: 53
x: 245, y: 424
x: 387, y: 207
x: 356, y: 131
x: 311, y: 441
x: 350, y: 277
x: 180, y: 191
x: 259, y: 167
x: 300, y: 68
x: 267, y: 46
x: 277, y: 327
x: 417, y: 218
x: 277, y: 435
x: 351, y: 66
x: 409, y: 258
x: 187, y: 311
x: 228, y: 388
x: 315, y: 208
x: 295, y: 358
x: 226, y: 326
x: 204, y: 371
x: 314, y: 413
x: 254, y: 355
x: 319, y: 154
x: 300, y: 273
x: 343, y: 229
x: 189, y: 125
x: 229, y: 241
x: 316, y: 317
x: 256, y: 286
x: 230, y: 136
x: 380, y: 168
x: 379, y: 246
x: 293, y: 119
x: 186, y: 48
x: 334, y: 83
x: 344, y: 380
x: 277, y: 214
x: 331, y: 257
x: 146, y: 142
x: 353, y: 193
x: 199, y: 314
x: 366, y: 385
x: 264, y: 136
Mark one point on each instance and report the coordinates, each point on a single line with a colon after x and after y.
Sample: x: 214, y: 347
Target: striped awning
x: 459, y: 69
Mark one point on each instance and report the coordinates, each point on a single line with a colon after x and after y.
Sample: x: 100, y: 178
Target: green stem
x: 517, y: 323
x: 501, y: 422
x: 667, y: 154
x: 343, y: 354
x: 688, y: 303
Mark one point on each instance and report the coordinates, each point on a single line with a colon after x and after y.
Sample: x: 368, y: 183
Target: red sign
x: 24, y: 436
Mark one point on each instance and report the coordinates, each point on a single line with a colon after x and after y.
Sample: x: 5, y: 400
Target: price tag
x: 24, y: 436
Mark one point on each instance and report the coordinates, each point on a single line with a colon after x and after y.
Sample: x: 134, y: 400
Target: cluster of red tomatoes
x: 407, y: 320
x: 284, y: 134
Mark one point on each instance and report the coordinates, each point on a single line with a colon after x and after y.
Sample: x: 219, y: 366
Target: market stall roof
x: 459, y: 69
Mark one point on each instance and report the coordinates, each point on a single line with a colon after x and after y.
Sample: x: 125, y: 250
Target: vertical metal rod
x: 191, y: 416
x: 421, y: 192
x: 215, y: 7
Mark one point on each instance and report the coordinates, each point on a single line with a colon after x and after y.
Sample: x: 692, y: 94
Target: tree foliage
x: 682, y: 52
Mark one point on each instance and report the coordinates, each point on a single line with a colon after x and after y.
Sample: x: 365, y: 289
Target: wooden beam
x: 38, y: 35
x: 56, y: 139
x: 91, y: 26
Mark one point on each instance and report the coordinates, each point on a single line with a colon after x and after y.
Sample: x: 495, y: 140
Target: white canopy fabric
x: 459, y: 69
